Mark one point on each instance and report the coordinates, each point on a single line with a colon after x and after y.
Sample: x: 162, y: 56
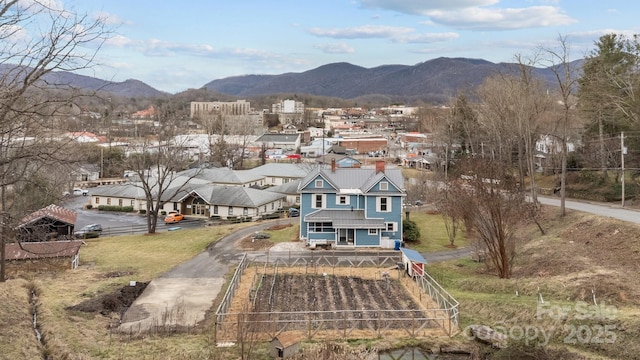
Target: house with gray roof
x: 352, y: 207
x: 275, y: 174
x: 226, y: 202
x: 290, y: 190
x: 289, y: 142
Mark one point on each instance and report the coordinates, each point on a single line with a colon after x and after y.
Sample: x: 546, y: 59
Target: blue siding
x: 364, y: 239
x: 390, y: 189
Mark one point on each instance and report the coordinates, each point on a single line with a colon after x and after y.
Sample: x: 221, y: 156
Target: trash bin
x: 397, y: 246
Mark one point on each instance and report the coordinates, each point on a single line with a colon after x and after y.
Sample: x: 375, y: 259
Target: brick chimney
x: 333, y: 165
x: 379, y: 166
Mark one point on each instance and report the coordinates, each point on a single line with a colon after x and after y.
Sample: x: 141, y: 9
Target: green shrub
x: 410, y: 231
x: 115, y: 208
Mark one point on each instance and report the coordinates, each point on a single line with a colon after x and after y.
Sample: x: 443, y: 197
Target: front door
x: 346, y: 236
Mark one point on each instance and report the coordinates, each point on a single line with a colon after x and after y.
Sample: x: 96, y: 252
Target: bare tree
x: 159, y: 164
x: 36, y: 40
x: 491, y: 205
x: 567, y: 79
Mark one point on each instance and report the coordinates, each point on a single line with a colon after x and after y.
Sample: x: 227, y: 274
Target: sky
x: 177, y: 45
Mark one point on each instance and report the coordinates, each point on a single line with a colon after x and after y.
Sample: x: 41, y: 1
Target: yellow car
x: 173, y: 217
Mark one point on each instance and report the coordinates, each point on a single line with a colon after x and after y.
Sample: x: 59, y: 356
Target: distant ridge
x: 436, y: 80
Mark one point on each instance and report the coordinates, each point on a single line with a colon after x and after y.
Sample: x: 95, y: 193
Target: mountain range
x: 435, y: 81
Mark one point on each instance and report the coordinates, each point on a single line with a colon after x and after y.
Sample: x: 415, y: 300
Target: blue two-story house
x: 352, y: 207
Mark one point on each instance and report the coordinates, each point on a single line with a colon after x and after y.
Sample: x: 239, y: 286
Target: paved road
x: 603, y: 209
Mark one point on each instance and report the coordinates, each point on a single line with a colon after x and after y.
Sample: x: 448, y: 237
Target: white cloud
x: 427, y: 38
x: 340, y: 48
x: 501, y: 19
x: 421, y: 7
x: 395, y: 34
x: 362, y: 32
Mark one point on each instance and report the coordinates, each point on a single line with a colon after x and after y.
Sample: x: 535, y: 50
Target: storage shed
x: 414, y: 262
x: 285, y: 345
x: 50, y: 223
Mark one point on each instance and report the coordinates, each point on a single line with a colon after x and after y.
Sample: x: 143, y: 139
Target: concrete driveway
x: 183, y: 295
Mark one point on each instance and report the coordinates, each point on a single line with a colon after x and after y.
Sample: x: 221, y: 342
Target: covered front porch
x: 343, y: 228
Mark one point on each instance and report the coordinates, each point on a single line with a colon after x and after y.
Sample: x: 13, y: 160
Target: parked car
x: 78, y: 191
x: 173, y: 217
x: 293, y: 212
x: 89, y: 231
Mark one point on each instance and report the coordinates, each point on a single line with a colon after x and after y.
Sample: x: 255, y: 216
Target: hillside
x: 435, y: 80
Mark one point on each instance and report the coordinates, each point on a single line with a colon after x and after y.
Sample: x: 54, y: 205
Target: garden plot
x: 335, y: 303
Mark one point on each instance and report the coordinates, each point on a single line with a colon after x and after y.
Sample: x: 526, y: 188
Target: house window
x: 108, y: 201
x: 391, y: 226
x: 97, y: 200
x: 120, y: 202
x: 230, y: 210
x: 273, y: 180
x: 343, y: 200
x: 245, y: 211
x: 175, y: 206
x: 132, y: 203
x: 319, y: 184
x: 215, y: 209
x: 321, y: 227
x: 297, y: 199
x: 272, y: 206
x: 318, y: 201
x: 384, y: 204
x: 373, y: 231
x: 384, y: 186
x: 264, y: 209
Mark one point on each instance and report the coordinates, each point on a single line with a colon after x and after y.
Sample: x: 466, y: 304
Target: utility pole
x: 622, y: 152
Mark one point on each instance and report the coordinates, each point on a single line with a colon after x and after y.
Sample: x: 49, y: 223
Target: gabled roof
x: 126, y: 191
x: 222, y: 175
x: 288, y: 339
x: 229, y: 195
x: 287, y: 188
x: 355, y: 178
x: 376, y: 178
x: 53, y: 212
x: 349, y: 219
x: 281, y: 170
x: 37, y: 250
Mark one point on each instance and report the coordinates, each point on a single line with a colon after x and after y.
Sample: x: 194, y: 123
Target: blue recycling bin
x: 398, y: 243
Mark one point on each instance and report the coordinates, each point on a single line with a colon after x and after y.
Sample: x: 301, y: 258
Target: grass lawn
x: 433, y: 234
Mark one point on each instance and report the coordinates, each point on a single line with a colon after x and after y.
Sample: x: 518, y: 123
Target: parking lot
x: 119, y: 223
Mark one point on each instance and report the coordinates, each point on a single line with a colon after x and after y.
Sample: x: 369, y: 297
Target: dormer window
x: 384, y: 186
